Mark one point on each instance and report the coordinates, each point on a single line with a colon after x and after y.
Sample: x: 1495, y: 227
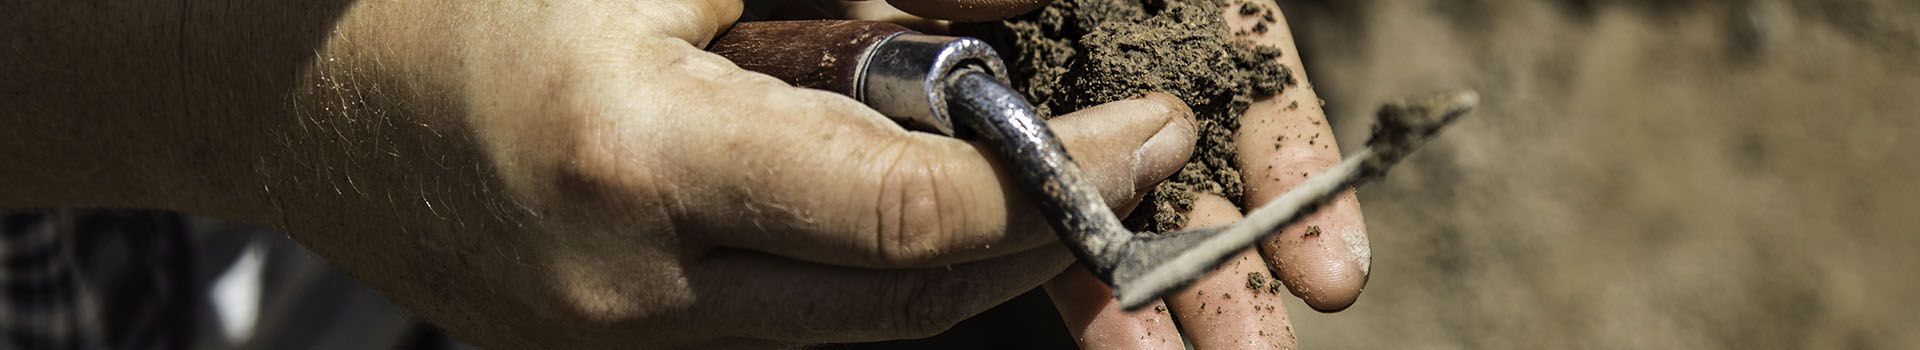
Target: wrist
x: 374, y: 118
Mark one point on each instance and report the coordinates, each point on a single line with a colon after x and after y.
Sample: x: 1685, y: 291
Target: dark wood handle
x: 818, y: 54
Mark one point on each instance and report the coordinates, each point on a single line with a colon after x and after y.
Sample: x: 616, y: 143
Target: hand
x: 587, y: 175
x: 547, y: 174
x: 1323, y: 259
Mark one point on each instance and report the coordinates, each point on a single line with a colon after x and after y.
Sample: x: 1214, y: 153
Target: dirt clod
x: 1075, y: 54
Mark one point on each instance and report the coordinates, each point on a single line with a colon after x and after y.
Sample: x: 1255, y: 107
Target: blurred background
x: 1641, y: 174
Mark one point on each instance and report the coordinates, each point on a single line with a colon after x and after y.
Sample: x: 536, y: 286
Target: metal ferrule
x: 904, y: 76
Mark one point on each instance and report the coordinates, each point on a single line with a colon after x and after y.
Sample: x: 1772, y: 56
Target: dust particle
x: 1313, y: 230
x: 1256, y: 281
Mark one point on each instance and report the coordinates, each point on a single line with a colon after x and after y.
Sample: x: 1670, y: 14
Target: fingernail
x: 1360, y: 249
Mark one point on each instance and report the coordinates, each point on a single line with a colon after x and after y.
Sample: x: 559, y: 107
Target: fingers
x: 773, y: 298
x: 1283, y: 139
x: 1235, y: 307
x: 1097, y: 321
x: 1101, y: 140
x: 1239, y: 305
x: 884, y: 12
x: 819, y: 178
x: 968, y: 10
x: 917, y: 14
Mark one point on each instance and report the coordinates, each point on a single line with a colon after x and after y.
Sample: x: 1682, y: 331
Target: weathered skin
x: 581, y: 174
x: 563, y: 174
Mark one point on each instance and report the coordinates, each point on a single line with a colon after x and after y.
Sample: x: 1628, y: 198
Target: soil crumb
x: 1075, y: 54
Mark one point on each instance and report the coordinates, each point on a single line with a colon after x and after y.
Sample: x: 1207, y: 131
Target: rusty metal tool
x: 958, y: 87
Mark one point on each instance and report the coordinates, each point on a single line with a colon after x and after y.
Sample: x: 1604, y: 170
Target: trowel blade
x: 1156, y: 266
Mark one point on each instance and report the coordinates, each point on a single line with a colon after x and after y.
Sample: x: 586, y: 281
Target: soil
x: 1080, y: 53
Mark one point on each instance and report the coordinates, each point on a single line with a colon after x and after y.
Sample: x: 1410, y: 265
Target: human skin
x: 543, y: 174
x: 1327, y: 270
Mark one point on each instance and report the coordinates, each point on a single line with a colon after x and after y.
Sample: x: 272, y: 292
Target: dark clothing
x: 132, y: 279
x: 97, y: 279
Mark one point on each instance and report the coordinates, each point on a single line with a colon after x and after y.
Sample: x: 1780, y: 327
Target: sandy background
x: 1643, y: 174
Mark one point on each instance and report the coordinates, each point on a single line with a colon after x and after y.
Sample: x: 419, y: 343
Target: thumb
x: 815, y: 176
x: 967, y: 10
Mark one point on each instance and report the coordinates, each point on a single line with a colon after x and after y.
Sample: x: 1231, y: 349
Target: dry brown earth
x: 1641, y: 174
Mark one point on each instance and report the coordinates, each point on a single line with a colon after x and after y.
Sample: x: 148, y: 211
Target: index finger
x: 1283, y: 139
x: 918, y: 11
x: 968, y: 10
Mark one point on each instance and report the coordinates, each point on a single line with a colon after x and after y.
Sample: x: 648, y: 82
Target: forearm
x: 335, y: 122
x: 161, y: 104
x: 85, y: 89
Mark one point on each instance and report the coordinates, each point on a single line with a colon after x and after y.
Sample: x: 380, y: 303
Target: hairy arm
x: 308, y: 116
x: 177, y: 105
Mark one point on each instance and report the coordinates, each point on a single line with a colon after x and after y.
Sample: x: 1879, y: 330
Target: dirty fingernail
x: 1325, y: 259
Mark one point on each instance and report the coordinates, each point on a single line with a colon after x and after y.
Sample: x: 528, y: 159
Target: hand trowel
x: 958, y: 86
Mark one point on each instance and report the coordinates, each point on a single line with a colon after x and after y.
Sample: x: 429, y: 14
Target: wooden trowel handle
x: 818, y: 54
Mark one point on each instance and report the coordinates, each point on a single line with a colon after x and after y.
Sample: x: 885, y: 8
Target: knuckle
x: 914, y: 208
x: 921, y: 314
x: 923, y: 324
x: 1308, y: 162
x: 594, y: 305
x: 595, y: 169
x: 589, y: 167
x: 574, y: 315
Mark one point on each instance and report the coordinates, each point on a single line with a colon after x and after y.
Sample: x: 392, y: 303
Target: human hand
x: 532, y: 174
x: 1223, y: 310
x: 583, y: 174
x: 1323, y: 259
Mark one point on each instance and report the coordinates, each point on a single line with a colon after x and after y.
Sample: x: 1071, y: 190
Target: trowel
x: 958, y: 87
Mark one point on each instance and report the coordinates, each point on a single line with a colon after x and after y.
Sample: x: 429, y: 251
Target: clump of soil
x: 1260, y: 282
x: 1075, y: 54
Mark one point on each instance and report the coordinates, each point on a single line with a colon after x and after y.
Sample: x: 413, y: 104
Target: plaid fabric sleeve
x: 93, y: 279
x: 38, y: 310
